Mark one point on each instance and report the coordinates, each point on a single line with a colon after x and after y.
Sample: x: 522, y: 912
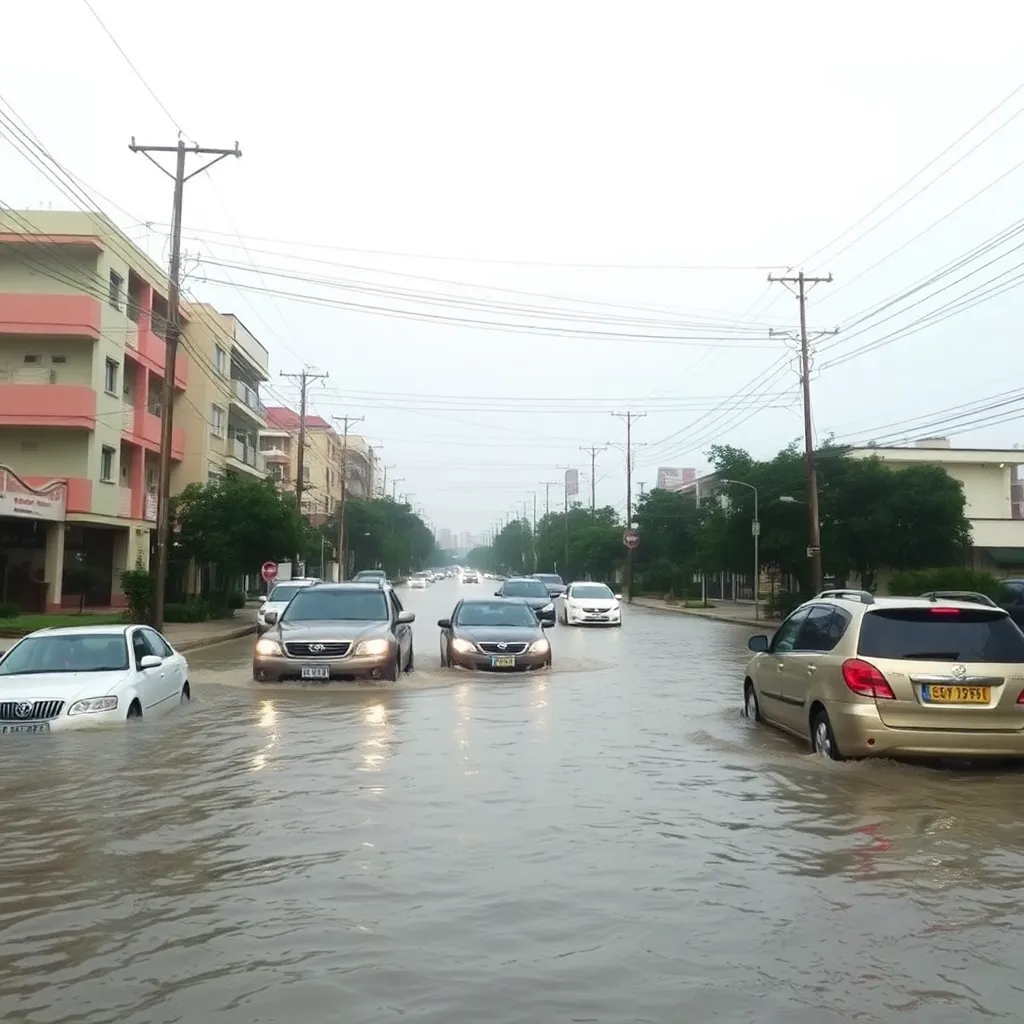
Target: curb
x: 210, y: 641
x: 699, y: 613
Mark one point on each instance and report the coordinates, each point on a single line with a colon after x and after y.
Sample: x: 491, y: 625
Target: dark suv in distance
x: 551, y: 580
x: 336, y: 631
x: 533, y: 593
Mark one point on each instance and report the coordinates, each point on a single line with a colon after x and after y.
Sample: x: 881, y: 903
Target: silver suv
x: 278, y: 598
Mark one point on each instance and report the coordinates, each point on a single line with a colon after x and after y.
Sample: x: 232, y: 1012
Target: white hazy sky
x: 441, y: 159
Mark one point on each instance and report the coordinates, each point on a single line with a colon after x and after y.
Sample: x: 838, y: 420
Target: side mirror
x: 758, y: 644
x: 270, y: 618
x: 150, y: 661
x: 618, y: 597
x: 405, y: 618
x: 545, y: 624
x: 497, y: 593
x: 445, y: 623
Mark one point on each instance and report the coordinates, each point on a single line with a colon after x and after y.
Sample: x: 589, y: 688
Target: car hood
x: 273, y: 606
x: 65, y: 686
x: 331, y: 629
x: 594, y: 602
x: 499, y: 634
x: 555, y: 589
x: 533, y: 602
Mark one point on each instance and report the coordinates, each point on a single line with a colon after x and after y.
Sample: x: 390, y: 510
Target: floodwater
x: 610, y: 842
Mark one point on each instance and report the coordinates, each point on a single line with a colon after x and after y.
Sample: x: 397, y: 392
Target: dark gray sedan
x: 494, y: 635
x: 532, y: 592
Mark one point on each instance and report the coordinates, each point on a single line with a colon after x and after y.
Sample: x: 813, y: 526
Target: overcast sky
x: 558, y: 210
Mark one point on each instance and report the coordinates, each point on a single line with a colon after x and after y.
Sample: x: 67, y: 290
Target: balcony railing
x: 249, y: 398
x: 149, y: 511
x: 124, y: 502
x: 248, y: 455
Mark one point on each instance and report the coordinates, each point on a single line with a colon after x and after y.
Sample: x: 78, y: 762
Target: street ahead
x: 611, y: 841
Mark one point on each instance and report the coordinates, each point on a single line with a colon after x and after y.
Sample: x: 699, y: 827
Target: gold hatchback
x: 865, y: 676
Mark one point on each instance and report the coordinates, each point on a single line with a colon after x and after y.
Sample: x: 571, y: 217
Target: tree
x: 385, y: 534
x: 584, y: 545
x: 672, y: 544
x: 236, y: 524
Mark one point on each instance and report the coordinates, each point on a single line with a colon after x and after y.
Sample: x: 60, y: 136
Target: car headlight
x: 93, y: 705
x: 540, y: 646
x: 548, y: 608
x: 372, y: 648
x: 268, y: 648
x: 463, y: 646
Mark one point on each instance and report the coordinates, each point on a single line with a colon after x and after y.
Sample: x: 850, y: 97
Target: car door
x: 174, y: 664
x: 809, y: 661
x: 150, y: 683
x: 771, y: 667
x: 403, y: 631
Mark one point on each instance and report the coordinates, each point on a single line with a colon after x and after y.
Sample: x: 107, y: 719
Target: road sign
x: 631, y: 539
x: 269, y: 571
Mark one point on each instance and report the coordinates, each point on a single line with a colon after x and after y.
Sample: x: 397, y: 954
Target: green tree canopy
x: 386, y: 534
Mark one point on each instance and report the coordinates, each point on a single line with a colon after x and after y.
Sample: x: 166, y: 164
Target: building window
x: 33, y: 360
x: 58, y: 360
x: 217, y: 421
x: 305, y: 474
x: 107, y: 465
x: 110, y: 377
x: 116, y: 284
x: 220, y: 360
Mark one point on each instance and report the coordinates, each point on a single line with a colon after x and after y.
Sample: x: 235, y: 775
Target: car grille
x: 317, y: 650
x: 30, y: 711
x: 493, y: 648
x: 597, y: 611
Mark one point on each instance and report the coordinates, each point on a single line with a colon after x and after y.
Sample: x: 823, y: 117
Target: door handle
x: 779, y: 666
x: 811, y: 669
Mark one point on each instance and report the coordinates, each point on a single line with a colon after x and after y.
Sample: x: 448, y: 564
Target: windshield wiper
x: 933, y: 655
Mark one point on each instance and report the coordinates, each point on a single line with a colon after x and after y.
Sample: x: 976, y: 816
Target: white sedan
x: 591, y: 604
x: 56, y: 679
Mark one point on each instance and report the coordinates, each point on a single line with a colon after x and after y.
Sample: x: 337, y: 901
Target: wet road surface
x: 610, y: 842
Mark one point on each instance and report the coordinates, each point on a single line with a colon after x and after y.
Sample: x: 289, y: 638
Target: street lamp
x: 788, y: 499
x: 755, y: 529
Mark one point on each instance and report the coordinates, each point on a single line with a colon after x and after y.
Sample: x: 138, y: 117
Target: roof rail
x: 864, y: 596
x: 970, y: 596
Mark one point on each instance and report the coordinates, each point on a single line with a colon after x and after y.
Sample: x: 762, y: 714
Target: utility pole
x: 370, y: 449
x: 384, y: 485
x: 630, y: 418
x: 565, y: 478
x: 394, y: 487
x: 803, y: 285
x: 173, y: 332
x: 643, y: 487
x: 342, y: 553
x: 593, y: 452
x: 305, y: 378
x: 547, y: 485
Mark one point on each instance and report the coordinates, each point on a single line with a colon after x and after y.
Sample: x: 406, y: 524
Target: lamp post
x: 755, y: 529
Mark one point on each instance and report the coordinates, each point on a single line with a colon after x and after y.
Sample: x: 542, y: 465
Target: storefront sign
x: 21, y: 500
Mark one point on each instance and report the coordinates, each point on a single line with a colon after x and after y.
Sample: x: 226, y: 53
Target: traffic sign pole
x: 269, y: 572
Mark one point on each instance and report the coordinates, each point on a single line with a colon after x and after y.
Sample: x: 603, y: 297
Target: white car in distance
x: 419, y: 581
x: 278, y: 598
x: 84, y: 676
x: 591, y: 604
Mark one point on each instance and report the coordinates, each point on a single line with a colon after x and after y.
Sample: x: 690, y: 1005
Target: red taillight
x: 1020, y: 699
x: 944, y: 611
x: 866, y: 680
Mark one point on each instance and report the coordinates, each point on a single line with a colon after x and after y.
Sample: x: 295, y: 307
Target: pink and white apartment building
x: 83, y: 316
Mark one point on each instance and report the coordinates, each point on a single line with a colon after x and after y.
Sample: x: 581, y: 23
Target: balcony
x: 32, y: 398
x: 149, y: 509
x: 245, y: 398
x: 141, y: 427
x: 151, y: 352
x: 244, y: 456
x: 124, y: 502
x: 52, y: 316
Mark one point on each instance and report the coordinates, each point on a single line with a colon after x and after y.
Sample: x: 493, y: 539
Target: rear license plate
x: 316, y: 672
x: 956, y: 694
x: 33, y: 727
x: 503, y: 662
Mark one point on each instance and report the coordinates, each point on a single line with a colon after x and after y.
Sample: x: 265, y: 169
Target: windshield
x: 284, y: 592
x: 941, y: 634
x: 370, y: 574
x: 495, y: 613
x: 345, y: 605
x: 420, y: 575
x: 550, y: 577
x: 525, y: 588
x: 592, y: 591
x: 101, y: 652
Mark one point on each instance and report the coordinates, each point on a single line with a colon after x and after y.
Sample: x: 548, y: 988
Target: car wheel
x: 186, y: 693
x: 134, y: 711
x: 751, y: 708
x: 823, y: 739
x: 410, y: 665
x: 395, y: 671
x: 444, y: 656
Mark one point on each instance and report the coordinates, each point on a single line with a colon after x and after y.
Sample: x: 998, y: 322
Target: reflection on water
x: 608, y: 842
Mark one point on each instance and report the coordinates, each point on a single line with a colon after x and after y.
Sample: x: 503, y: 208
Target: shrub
x: 218, y: 607
x: 140, y: 591
x: 9, y: 610
x: 194, y: 611
x: 236, y: 601
x: 914, y: 583
x: 782, y: 602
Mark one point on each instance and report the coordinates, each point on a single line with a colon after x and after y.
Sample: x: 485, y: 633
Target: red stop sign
x: 269, y: 571
x: 631, y: 539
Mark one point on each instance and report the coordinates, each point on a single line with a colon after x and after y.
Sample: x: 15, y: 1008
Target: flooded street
x: 610, y: 842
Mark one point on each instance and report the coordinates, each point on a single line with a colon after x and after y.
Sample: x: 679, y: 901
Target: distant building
x: 445, y: 540
x: 675, y: 479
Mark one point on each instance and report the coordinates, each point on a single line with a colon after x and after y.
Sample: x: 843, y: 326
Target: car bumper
x: 861, y: 733
x: 579, y: 619
x: 280, y: 669
x: 65, y: 723
x: 482, y: 662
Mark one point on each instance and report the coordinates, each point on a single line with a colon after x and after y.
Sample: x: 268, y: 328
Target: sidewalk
x: 740, y: 613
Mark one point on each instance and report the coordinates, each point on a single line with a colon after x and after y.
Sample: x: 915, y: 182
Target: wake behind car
x: 490, y: 634
x: 278, y: 598
x: 864, y: 676
x: 551, y: 580
x: 82, y: 676
x: 591, y: 604
x: 533, y: 593
x: 337, y: 632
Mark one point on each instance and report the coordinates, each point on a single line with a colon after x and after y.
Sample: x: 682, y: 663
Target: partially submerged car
x: 496, y: 635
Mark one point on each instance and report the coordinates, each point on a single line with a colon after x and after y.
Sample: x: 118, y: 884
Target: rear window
x: 941, y: 634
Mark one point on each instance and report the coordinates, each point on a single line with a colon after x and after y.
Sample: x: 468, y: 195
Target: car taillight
x: 944, y: 611
x: 866, y: 680
x: 1020, y: 699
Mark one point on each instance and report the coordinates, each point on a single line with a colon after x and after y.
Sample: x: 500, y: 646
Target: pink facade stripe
x: 47, y: 405
x: 60, y: 316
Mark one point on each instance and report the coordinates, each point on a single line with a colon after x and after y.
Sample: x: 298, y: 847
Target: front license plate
x: 316, y: 672
x: 957, y: 694
x: 33, y: 727
x: 503, y: 662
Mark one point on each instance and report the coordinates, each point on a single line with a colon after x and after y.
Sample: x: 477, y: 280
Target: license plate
x: 505, y: 662
x: 33, y: 727
x: 316, y: 672
x: 957, y: 694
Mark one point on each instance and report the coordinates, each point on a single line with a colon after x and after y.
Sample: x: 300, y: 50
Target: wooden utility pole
x: 630, y: 418
x: 173, y: 331
x: 384, y: 485
x: 342, y: 553
x: 802, y: 281
x: 305, y: 378
x: 593, y: 452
